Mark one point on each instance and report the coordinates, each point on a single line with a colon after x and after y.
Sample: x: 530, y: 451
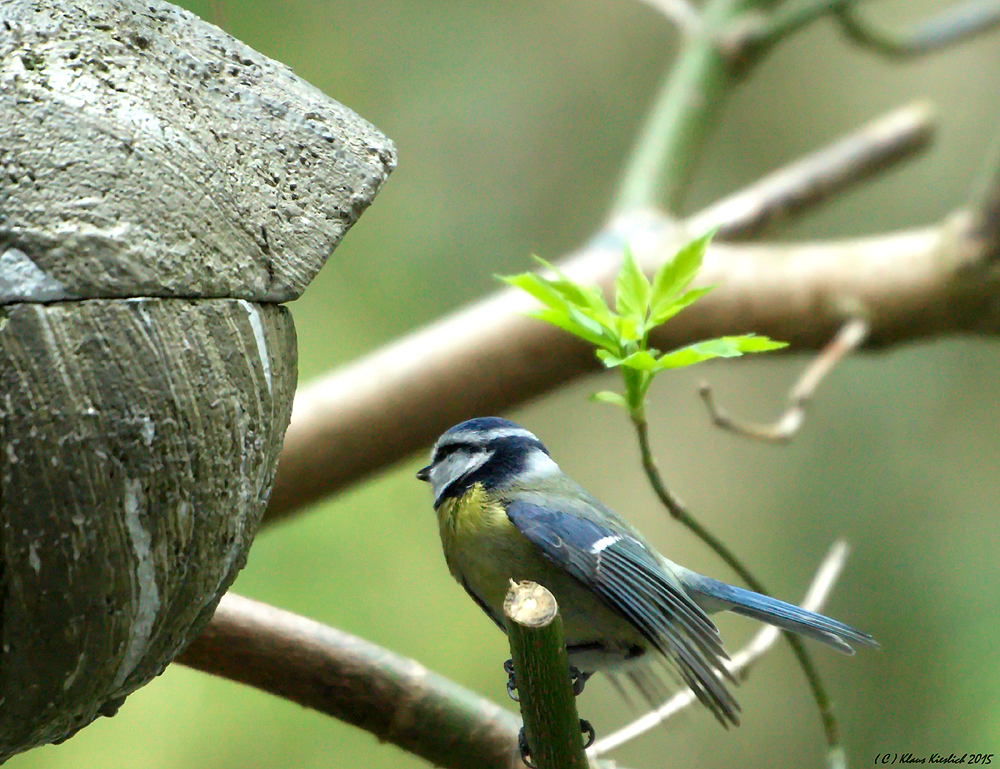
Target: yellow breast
x: 485, y: 551
x: 482, y: 547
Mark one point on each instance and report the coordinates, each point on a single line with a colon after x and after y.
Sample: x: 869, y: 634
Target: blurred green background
x: 512, y: 120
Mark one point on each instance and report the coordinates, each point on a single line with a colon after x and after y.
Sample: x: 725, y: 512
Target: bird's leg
x: 508, y: 666
x: 522, y: 741
x: 579, y: 679
x: 522, y: 746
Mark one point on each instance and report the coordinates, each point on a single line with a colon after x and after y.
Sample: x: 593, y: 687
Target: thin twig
x: 850, y: 337
x: 757, y: 31
x: 681, y: 514
x: 818, y: 177
x: 741, y: 663
x: 951, y: 26
x: 984, y: 202
x: 681, y: 13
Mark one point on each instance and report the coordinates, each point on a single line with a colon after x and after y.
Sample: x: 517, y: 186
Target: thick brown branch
x: 489, y: 357
x: 349, y: 678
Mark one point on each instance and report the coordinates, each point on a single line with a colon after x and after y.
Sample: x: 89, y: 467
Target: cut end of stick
x: 529, y: 604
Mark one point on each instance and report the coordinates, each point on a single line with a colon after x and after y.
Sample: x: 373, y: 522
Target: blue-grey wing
x: 631, y: 580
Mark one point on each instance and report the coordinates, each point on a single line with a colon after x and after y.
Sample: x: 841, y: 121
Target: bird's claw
x: 508, y: 667
x: 522, y: 745
x: 579, y: 679
x: 522, y: 741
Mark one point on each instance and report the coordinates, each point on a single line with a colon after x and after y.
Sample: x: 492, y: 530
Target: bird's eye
x: 444, y: 452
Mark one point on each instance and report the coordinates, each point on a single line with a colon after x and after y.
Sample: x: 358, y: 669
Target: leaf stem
x: 951, y: 26
x: 680, y: 513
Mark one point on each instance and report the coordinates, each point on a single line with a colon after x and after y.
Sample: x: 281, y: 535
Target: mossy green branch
x: 541, y: 667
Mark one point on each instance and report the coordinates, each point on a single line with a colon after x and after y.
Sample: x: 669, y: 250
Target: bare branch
x: 395, y: 699
x: 984, y: 203
x: 741, y: 662
x: 851, y: 336
x: 951, y: 26
x: 680, y: 12
x: 489, y: 357
x: 816, y: 178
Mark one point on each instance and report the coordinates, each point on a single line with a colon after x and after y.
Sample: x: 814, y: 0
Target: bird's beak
x: 424, y: 473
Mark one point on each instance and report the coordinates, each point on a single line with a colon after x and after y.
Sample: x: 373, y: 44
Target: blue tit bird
x: 507, y: 512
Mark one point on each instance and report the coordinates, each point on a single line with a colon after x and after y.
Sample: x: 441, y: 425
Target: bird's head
x: 489, y: 450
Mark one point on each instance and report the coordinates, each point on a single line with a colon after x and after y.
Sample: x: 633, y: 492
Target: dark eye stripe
x: 443, y: 452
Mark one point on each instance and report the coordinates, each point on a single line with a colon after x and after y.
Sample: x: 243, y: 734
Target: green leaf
x: 585, y: 319
x: 538, y: 287
x: 670, y: 309
x: 627, y: 329
x: 631, y: 290
x: 688, y: 356
x: 581, y: 295
x: 640, y: 360
x: 756, y: 343
x: 606, y: 396
x: 573, y: 322
x: 583, y: 304
x: 608, y: 358
x: 723, y: 347
x: 674, y: 275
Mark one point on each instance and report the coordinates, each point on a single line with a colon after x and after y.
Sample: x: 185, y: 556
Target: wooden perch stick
x: 541, y: 667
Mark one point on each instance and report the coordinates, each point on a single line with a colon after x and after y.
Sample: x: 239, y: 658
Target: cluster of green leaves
x: 621, y: 336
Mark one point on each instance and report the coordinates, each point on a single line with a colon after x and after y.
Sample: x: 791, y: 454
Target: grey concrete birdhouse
x: 163, y: 190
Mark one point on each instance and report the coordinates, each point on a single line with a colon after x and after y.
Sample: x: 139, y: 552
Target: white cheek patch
x: 539, y: 465
x: 455, y: 467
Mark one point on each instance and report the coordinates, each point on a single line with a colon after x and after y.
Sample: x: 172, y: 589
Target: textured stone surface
x: 162, y: 188
x: 139, y: 440
x: 145, y: 152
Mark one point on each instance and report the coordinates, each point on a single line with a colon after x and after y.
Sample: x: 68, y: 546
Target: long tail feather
x: 784, y: 615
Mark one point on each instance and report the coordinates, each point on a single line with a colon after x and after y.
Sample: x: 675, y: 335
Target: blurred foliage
x: 512, y: 120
